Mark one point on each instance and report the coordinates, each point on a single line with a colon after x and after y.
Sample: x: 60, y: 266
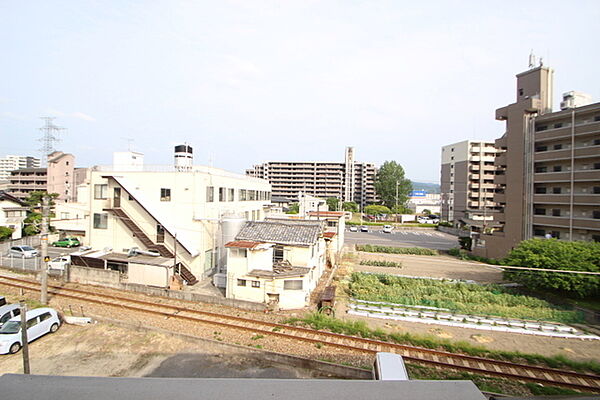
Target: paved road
x: 430, y: 239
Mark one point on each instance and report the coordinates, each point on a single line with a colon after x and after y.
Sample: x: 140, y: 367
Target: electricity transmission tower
x: 50, y: 137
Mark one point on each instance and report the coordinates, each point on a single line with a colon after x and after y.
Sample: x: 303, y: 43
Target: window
x: 539, y: 170
x: 596, y: 142
x: 597, y: 165
x: 596, y: 190
x: 100, y: 192
x: 238, y: 253
x: 210, y: 194
x: 539, y: 211
x: 231, y: 195
x: 557, y: 146
x: 539, y: 232
x: 555, y: 234
x: 45, y: 316
x: 556, y: 212
x: 165, y: 194
x: 100, y: 221
x: 521, y: 92
x: 32, y: 322
x: 332, y: 224
x: 241, y: 282
x: 540, y: 190
x: 256, y: 284
x: 277, y: 253
x: 242, y: 195
x: 558, y: 125
x: 541, y: 128
x: 596, y: 214
x: 222, y: 194
x: 557, y: 190
x: 295, y: 284
x: 557, y: 168
x: 541, y: 148
x: 5, y: 318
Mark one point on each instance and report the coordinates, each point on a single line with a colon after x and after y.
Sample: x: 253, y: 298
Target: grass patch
x: 360, y: 328
x: 375, y: 263
x: 370, y: 248
x: 256, y: 337
x: 481, y: 300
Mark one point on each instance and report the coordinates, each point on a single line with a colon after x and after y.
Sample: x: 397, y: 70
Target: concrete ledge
x: 301, y: 362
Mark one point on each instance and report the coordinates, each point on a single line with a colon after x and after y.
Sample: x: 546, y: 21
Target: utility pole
x: 397, y: 196
x: 24, y: 338
x: 44, y: 240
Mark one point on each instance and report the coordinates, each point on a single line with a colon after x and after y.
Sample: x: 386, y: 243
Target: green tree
x: 426, y: 212
x: 350, y: 206
x: 556, y: 254
x: 294, y: 208
x: 5, y: 232
x: 332, y: 203
x: 374, y: 209
x: 33, y: 221
x: 389, y: 178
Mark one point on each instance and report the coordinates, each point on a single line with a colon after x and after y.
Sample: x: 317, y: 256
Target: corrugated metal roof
x: 326, y: 213
x: 243, y: 244
x: 292, y: 232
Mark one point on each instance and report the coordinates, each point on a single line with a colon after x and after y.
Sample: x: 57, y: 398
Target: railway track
x: 435, y: 358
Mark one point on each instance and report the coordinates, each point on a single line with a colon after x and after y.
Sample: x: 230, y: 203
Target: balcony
x: 578, y: 176
x: 580, y: 152
x: 563, y: 222
x: 566, y: 198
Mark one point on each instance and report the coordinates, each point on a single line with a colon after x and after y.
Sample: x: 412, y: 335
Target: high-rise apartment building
x: 348, y: 180
x: 549, y: 172
x: 467, y: 184
x: 12, y: 162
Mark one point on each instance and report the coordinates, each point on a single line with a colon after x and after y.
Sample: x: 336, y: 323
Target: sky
x: 245, y: 81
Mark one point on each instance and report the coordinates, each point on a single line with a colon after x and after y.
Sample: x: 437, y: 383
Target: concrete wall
x: 94, y: 276
x: 149, y: 275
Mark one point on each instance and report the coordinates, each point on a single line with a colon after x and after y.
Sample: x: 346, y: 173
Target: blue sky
x: 249, y: 81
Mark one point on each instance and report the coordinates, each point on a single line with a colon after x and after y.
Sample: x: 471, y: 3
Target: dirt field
x: 430, y: 266
x: 447, y: 267
x: 104, y: 349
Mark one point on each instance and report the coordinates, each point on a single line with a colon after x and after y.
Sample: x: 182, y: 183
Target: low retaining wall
x: 453, y: 231
x: 321, y: 366
x: 112, y: 279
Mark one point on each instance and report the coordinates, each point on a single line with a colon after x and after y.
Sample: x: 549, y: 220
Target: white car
x: 354, y: 228
x: 59, y: 263
x: 387, y: 229
x: 7, y: 312
x: 39, y: 322
x: 22, y: 251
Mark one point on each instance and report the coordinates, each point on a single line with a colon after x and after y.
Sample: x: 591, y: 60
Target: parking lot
x: 430, y: 238
x: 32, y: 264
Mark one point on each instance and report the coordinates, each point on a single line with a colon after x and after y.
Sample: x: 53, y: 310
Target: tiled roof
x: 7, y: 196
x: 243, y: 244
x: 282, y: 231
x: 326, y: 213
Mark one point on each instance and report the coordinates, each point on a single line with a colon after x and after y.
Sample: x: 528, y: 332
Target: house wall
x: 152, y: 275
x: 195, y: 220
x: 12, y: 216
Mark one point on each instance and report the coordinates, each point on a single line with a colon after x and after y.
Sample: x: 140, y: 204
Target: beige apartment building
x: 548, y: 174
x: 59, y: 177
x: 467, y: 184
x: 13, y: 162
x: 348, y: 180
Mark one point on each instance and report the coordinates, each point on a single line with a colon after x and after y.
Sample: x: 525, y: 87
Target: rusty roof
x: 329, y: 234
x: 326, y: 213
x: 243, y: 244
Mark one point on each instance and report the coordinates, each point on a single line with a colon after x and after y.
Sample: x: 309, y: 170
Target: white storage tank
x: 230, y: 227
x: 184, y: 158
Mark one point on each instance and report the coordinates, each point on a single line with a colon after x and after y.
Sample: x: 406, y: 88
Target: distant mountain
x: 429, y: 187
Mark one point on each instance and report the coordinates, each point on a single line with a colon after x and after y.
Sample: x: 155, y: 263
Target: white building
x: 12, y: 214
x: 419, y: 200
x: 13, y: 162
x: 176, y: 213
x: 277, y: 262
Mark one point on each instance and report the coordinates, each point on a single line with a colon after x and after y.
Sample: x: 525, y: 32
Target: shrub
x: 376, y: 263
x: 457, y: 297
x: 555, y: 254
x: 396, y: 250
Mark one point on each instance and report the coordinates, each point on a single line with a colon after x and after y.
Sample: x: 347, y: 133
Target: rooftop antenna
x: 531, y: 59
x: 129, y: 142
x: 49, y: 138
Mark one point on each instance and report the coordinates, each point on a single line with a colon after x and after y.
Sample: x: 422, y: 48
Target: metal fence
x: 25, y: 264
x: 33, y: 241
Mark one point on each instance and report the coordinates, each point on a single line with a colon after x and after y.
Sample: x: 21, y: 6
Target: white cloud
x: 85, y: 117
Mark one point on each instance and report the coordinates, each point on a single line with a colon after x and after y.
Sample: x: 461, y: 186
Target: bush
x: 446, y: 223
x: 465, y: 242
x: 457, y: 297
x: 5, y: 232
x: 555, y: 254
x: 381, y: 263
x: 396, y: 250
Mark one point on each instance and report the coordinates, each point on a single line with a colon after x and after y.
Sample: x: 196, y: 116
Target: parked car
x: 59, y: 263
x: 67, y: 242
x: 364, y: 228
x: 22, y: 251
x: 39, y: 322
x: 387, y: 229
x: 8, y: 311
x: 353, y: 228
